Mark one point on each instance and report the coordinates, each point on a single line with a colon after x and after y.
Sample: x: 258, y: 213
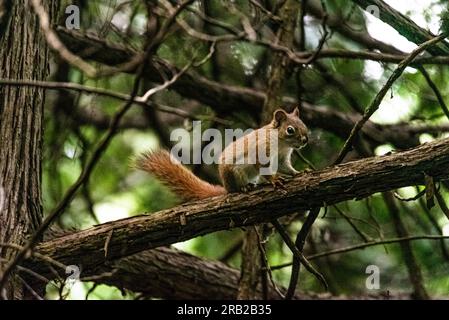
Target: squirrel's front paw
x: 249, y: 187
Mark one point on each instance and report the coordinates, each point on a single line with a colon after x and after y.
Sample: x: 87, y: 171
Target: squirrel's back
x: 174, y: 175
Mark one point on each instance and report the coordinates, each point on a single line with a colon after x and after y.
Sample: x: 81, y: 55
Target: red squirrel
x: 236, y: 176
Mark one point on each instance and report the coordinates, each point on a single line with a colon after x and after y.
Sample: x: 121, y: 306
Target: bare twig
x: 97, y: 277
x: 39, y: 256
x: 30, y: 272
x: 163, y: 86
x: 264, y: 10
x: 156, y: 41
x: 109, y: 93
x: 321, y: 43
x: 236, y: 35
x: 92, y: 289
x: 363, y: 246
x: 437, y: 227
x: 369, y: 55
x: 30, y: 289
x: 299, y: 245
x: 214, y: 22
x: 379, y: 97
x: 267, y: 266
x: 434, y: 88
x: 304, y: 159
x: 416, y: 197
x: 356, y: 229
x: 106, y: 243
x: 298, y: 255
x: 442, y: 203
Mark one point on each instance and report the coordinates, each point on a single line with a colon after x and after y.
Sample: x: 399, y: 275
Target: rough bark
x: 352, y: 180
x: 251, y: 267
x: 170, y: 274
x: 280, y: 66
x: 21, y: 111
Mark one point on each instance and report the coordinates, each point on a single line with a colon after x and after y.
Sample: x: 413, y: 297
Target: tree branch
x: 402, y: 135
x: 168, y: 273
x: 338, y: 24
x: 364, y: 245
x: 352, y: 180
x: 404, y: 25
x: 374, y: 56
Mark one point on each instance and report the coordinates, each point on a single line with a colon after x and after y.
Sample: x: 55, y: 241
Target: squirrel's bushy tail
x: 174, y: 175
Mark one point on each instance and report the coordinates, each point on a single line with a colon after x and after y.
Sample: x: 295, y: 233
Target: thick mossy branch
x: 168, y: 273
x: 352, y: 180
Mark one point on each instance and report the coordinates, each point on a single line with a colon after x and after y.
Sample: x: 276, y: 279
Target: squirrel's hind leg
x: 239, y: 178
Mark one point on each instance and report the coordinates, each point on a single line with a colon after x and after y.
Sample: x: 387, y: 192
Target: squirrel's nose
x: 304, y: 139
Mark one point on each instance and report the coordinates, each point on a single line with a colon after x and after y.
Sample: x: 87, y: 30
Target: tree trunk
x: 280, y: 66
x: 251, y: 268
x: 23, y: 55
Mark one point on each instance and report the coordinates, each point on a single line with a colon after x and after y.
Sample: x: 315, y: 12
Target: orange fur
x: 174, y: 175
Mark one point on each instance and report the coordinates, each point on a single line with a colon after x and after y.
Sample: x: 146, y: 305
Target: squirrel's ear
x: 279, y: 115
x: 296, y: 112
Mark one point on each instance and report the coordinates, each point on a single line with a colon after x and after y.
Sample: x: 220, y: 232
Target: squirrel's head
x: 291, y: 130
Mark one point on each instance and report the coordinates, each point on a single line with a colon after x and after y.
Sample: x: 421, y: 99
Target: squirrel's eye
x: 290, y: 130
